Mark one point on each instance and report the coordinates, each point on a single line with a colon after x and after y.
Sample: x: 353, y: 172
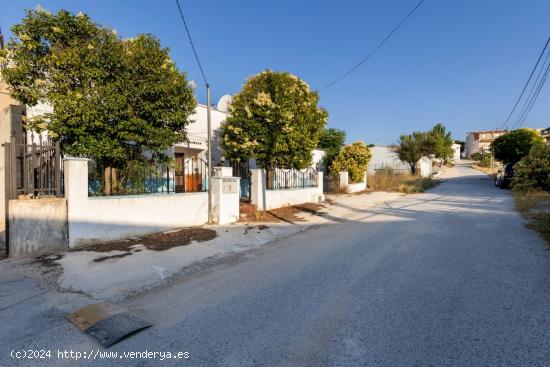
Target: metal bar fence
x: 35, y: 167
x: 283, y: 179
x: 139, y: 177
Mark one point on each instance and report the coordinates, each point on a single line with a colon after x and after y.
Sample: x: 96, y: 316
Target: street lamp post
x: 209, y: 147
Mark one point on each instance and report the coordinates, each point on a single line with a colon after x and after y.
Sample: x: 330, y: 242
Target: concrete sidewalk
x: 116, y: 275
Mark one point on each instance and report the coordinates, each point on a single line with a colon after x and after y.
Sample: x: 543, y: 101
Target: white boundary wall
x: 265, y: 199
x: 352, y: 187
x: 100, y: 219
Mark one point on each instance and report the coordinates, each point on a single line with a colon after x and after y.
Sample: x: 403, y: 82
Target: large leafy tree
x: 442, y: 142
x: 511, y: 147
x: 332, y: 140
x: 414, y: 146
x: 113, y: 99
x: 276, y: 120
x: 354, y: 159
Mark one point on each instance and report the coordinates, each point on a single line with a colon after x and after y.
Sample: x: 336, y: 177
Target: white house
x: 456, y: 152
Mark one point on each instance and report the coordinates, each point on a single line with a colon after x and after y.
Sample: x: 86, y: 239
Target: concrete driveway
x: 447, y: 278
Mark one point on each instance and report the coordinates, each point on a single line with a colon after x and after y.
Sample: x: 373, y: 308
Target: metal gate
x: 242, y: 170
x: 33, y: 170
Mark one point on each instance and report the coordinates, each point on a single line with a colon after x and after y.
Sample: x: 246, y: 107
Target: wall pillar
x: 225, y: 199
x: 343, y: 179
x: 75, y: 173
x: 257, y: 188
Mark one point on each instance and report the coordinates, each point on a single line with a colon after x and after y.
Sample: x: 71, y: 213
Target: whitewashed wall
x: 99, y: 219
x: 265, y: 199
x: 344, y: 182
x: 385, y: 157
x: 425, y: 167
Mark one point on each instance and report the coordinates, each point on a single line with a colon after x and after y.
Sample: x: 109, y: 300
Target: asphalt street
x: 447, y: 278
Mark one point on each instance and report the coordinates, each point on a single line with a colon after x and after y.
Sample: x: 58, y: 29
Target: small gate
x: 242, y: 170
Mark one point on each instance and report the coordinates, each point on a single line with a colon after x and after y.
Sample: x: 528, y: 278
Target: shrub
x: 532, y: 172
x: 354, y: 159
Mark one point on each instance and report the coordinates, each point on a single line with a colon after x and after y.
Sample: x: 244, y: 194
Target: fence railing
x: 136, y: 177
x: 281, y: 179
x: 33, y: 167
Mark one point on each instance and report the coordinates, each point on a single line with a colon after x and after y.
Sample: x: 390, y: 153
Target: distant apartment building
x: 546, y: 135
x: 477, y: 141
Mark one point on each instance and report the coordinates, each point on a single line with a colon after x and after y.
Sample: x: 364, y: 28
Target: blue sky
x: 461, y: 62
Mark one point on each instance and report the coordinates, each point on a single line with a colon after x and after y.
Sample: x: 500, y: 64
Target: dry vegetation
x: 388, y: 180
x: 486, y: 170
x: 535, y: 207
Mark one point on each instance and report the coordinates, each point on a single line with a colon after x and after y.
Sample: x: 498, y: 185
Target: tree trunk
x: 413, y: 168
x: 110, y: 180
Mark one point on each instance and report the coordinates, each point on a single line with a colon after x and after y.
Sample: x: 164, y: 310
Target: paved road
x: 447, y: 278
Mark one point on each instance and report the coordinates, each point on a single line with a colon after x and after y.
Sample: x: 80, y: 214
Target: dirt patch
x: 289, y: 214
x: 48, y: 261
x: 261, y: 227
x: 156, y: 242
x: 119, y: 256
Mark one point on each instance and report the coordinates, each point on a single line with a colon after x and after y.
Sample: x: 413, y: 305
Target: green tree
x: 532, y: 172
x: 414, y: 146
x: 113, y: 100
x: 275, y: 119
x: 332, y: 140
x: 442, y: 142
x: 511, y: 147
x: 353, y: 158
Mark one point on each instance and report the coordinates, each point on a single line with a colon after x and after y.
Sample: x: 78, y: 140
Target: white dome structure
x: 224, y: 102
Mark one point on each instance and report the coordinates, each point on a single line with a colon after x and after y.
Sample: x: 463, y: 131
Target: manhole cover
x: 107, y: 323
x: 89, y: 315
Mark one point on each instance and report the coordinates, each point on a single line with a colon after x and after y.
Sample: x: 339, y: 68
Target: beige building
x: 546, y: 135
x: 477, y: 141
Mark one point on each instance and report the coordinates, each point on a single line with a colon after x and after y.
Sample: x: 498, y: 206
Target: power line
x: 191, y: 42
x: 380, y: 44
x: 535, y: 96
x: 526, y: 84
x: 532, y: 92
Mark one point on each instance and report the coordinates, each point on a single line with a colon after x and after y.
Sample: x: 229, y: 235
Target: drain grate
x: 107, y: 323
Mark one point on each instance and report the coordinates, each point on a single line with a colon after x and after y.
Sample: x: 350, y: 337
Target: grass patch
x: 388, y: 180
x: 535, y: 207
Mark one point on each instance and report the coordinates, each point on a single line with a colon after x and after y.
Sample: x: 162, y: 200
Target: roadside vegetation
x: 353, y: 158
x: 531, y: 187
x: 526, y: 150
x: 390, y: 180
x: 436, y: 143
x: 535, y: 207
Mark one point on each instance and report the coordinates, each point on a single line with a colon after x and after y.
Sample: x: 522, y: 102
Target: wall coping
x: 76, y: 159
x: 147, y: 195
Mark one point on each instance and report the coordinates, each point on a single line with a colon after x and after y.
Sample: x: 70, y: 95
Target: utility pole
x: 492, y: 153
x: 209, y: 145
